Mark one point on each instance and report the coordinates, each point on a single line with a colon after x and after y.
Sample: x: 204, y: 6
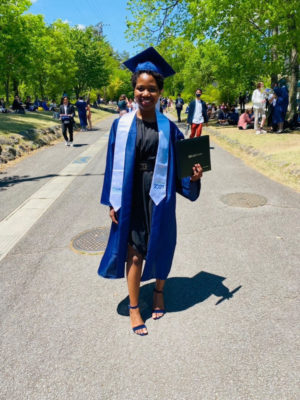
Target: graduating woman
x: 81, y: 107
x: 278, y: 113
x: 140, y: 186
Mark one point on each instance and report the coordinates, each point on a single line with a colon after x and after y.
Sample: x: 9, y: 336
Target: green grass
x: 15, y: 123
x: 279, y: 154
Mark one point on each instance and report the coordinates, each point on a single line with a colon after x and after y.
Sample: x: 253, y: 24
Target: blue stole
x: 159, y: 181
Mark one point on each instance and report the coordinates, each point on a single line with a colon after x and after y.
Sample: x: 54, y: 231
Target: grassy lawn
x: 275, y: 155
x: 20, y: 134
x: 15, y: 123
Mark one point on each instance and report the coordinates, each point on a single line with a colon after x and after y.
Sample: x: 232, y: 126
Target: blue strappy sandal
x: 162, y: 311
x: 137, y: 328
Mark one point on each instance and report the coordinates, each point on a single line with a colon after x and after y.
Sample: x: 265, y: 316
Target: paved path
x: 64, y: 330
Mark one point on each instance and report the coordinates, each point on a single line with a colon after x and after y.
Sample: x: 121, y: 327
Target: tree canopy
x: 232, y: 43
x: 43, y: 60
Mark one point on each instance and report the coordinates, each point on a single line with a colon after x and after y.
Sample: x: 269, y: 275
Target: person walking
x: 82, y: 114
x: 122, y: 104
x: 259, y: 107
x: 140, y: 186
x: 197, y: 114
x: 89, y: 115
x: 179, y: 105
x: 67, y: 113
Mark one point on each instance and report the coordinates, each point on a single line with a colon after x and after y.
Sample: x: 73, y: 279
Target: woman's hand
x: 197, y: 172
x: 113, y: 215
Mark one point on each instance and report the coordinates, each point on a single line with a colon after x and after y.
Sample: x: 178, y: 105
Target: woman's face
x: 146, y: 92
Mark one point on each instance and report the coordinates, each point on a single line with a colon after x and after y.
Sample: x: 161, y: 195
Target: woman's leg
x: 158, y: 299
x: 263, y: 119
x: 280, y: 127
x: 134, y: 273
x: 256, y: 116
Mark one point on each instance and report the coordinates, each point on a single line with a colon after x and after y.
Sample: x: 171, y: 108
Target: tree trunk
x: 42, y: 90
x: 274, y: 55
x: 77, y: 92
x: 7, y: 88
x: 293, y: 81
x: 16, y: 87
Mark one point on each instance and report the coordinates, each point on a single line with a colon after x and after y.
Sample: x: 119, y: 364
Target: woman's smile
x: 146, y: 92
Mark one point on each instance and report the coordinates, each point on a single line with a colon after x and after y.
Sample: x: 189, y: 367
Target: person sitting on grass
x: 17, y: 106
x: 3, y: 108
x: 246, y: 121
x: 213, y: 111
x: 222, y: 116
x: 29, y: 106
x: 44, y: 105
x: 52, y: 106
x: 233, y: 116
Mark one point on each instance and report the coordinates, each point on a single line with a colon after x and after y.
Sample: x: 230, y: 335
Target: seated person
x: 37, y: 103
x: 52, y: 106
x: 17, y: 105
x: 28, y: 104
x: 246, y: 121
x: 209, y: 108
x: 213, y: 111
x: 222, y: 116
x: 233, y: 116
x: 44, y: 105
x: 3, y: 108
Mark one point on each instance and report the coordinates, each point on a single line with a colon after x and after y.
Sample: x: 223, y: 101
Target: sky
x: 112, y: 13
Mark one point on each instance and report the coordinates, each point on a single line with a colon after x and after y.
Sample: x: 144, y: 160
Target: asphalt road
x: 65, y: 332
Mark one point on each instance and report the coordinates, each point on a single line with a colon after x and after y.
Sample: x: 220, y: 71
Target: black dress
x: 142, y: 204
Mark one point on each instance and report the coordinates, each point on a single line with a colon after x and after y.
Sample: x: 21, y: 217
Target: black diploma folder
x: 190, y: 152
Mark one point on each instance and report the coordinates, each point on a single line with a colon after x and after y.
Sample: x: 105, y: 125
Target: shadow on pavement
x: 9, y: 181
x: 80, y: 145
x: 182, y: 293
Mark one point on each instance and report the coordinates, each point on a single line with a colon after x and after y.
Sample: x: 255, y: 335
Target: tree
x: 13, y: 43
x: 90, y: 49
x: 257, y: 38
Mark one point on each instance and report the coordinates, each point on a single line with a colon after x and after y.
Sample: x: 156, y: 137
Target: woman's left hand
x: 197, y: 172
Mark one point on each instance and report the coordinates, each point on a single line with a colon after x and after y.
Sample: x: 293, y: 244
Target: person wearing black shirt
x: 67, y: 114
x: 17, y: 105
x: 179, y: 104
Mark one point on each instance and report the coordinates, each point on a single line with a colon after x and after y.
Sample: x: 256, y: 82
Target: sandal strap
x: 133, y: 307
x: 158, y: 291
x: 137, y: 328
x: 160, y: 311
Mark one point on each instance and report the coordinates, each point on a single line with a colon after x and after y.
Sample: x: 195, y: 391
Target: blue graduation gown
x: 162, y: 239
x: 285, y: 96
x: 81, y: 106
x: 278, y: 111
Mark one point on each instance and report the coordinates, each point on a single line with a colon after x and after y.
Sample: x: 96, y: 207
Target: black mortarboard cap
x: 149, y: 60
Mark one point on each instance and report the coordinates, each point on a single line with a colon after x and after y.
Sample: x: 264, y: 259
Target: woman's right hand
x: 113, y: 215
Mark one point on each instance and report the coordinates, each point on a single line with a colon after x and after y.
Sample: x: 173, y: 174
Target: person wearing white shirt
x: 259, y: 101
x: 197, y: 115
x: 67, y: 114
